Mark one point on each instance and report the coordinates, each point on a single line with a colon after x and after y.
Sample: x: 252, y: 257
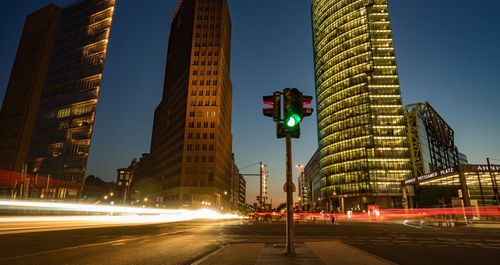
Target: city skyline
x: 428, y: 60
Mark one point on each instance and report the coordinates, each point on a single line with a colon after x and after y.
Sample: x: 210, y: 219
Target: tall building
x: 361, y: 130
x: 24, y: 89
x: 48, y: 113
x: 191, y: 141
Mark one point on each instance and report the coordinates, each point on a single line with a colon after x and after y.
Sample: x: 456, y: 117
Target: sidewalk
x: 310, y: 253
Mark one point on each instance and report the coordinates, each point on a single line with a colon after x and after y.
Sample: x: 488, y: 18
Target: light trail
x: 116, y: 215
x: 91, y: 208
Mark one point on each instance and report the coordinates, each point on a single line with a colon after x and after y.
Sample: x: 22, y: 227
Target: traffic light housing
x: 306, y: 100
x: 294, y: 110
x: 274, y: 101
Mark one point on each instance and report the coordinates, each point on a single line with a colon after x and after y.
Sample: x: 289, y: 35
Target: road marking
x: 90, y: 245
x: 200, y: 261
x: 414, y: 226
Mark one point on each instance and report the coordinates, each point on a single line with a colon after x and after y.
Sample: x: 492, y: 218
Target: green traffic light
x: 293, y: 120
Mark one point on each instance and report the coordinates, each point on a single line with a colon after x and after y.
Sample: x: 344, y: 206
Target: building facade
x: 312, y: 182
x: 59, y: 97
x: 361, y: 132
x: 24, y: 89
x: 242, y: 194
x: 191, y: 141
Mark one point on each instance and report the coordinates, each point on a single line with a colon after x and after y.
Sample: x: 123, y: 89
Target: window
x: 194, y: 82
x: 195, y: 72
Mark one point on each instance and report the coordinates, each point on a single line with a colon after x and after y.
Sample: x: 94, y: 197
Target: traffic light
x: 294, y: 108
x: 306, y: 100
x: 274, y: 102
x: 294, y: 102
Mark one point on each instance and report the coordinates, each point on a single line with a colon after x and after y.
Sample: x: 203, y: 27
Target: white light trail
x: 131, y: 214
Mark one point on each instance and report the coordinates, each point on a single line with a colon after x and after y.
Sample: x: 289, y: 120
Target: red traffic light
x: 274, y: 101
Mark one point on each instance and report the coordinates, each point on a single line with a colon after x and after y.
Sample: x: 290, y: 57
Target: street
x: 187, y: 242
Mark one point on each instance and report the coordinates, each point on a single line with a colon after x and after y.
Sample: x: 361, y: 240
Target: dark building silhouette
x: 24, y: 89
x: 191, y: 141
x: 47, y: 116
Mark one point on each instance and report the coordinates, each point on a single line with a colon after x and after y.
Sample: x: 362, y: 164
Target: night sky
x: 448, y: 54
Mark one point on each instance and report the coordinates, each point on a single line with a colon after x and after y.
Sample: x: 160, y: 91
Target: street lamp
x: 299, y: 167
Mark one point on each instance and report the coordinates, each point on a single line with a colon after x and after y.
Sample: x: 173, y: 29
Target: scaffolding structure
x: 431, y: 139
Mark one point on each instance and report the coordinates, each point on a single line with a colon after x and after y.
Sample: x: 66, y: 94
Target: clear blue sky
x: 448, y: 53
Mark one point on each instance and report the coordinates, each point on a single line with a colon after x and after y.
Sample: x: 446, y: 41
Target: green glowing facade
x: 361, y: 130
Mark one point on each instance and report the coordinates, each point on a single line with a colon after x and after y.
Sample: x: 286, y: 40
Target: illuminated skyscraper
x: 64, y: 51
x: 190, y: 154
x: 361, y: 130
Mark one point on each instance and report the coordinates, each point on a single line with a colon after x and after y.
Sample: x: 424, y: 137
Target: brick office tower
x: 191, y: 142
x: 47, y: 116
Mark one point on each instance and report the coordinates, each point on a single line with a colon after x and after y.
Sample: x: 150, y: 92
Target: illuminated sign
x: 485, y: 168
x: 436, y: 174
x: 429, y: 176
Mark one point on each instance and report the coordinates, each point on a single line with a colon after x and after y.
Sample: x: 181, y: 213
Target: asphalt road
x: 186, y: 242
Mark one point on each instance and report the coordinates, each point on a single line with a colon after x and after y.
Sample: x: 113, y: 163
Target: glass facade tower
x: 63, y: 128
x: 361, y: 129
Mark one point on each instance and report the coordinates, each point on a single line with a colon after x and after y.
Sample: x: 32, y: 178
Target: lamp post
x: 299, y: 167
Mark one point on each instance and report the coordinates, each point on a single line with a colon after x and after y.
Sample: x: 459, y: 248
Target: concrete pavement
x: 321, y: 253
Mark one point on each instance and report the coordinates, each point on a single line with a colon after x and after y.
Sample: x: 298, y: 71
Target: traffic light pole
x: 290, y: 250
x: 294, y: 110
